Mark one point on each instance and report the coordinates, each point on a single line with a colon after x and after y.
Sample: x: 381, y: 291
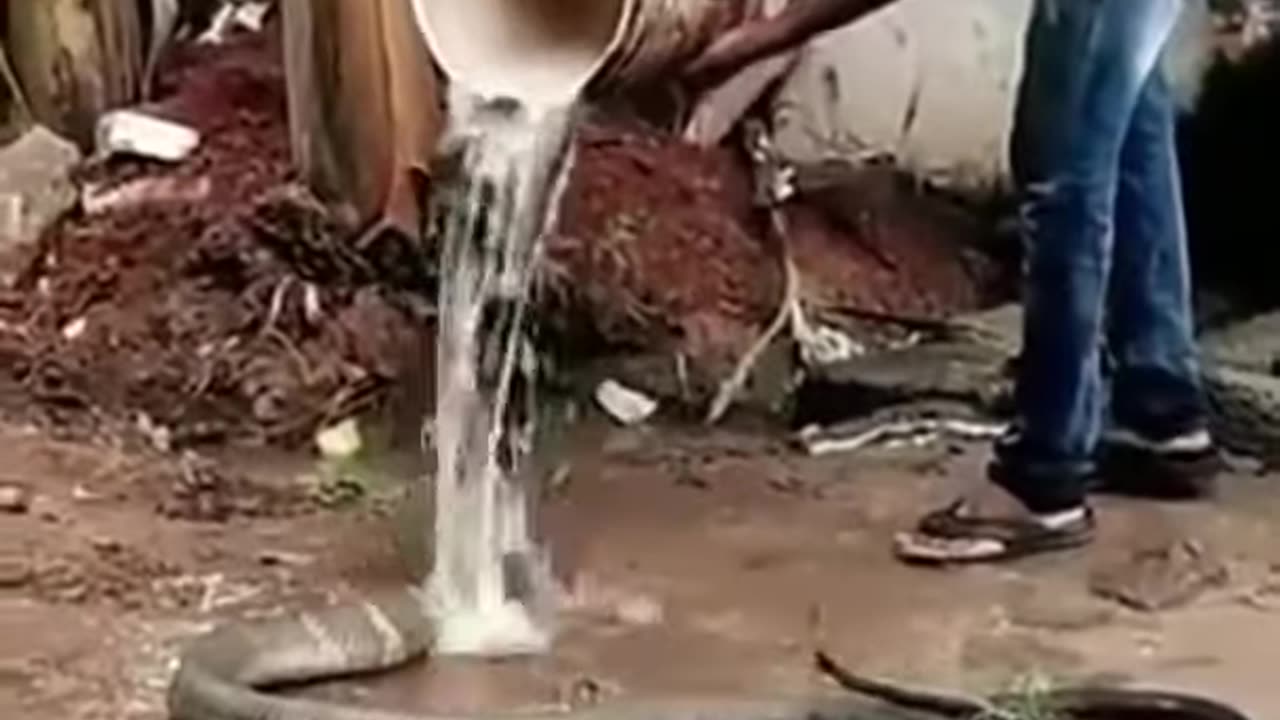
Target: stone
x: 639, y: 611
x: 15, y: 572
x: 107, y: 545
x: 35, y: 190
x: 1159, y: 579
x: 14, y: 499
x: 586, y: 692
x: 1059, y: 610
x: 1018, y: 653
x: 340, y: 442
x: 281, y: 558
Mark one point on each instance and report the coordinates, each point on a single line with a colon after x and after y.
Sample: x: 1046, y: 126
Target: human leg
x: 1158, y: 444
x: 1087, y: 62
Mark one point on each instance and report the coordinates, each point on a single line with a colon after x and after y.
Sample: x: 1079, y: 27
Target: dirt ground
x: 696, y: 563
x: 238, y: 323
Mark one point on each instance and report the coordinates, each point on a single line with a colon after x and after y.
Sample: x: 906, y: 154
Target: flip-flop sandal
x: 952, y: 537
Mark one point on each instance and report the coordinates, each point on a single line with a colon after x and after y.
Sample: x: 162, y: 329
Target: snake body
x: 972, y: 363
x: 228, y: 674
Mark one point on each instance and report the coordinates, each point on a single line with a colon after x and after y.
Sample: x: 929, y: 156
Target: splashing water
x: 491, y: 586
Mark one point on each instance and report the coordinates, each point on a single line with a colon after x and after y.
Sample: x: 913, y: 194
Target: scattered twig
x: 278, y: 298
x: 730, y: 388
x: 771, y: 193
x: 351, y: 400
x: 268, y: 330
x: 210, y: 370
x: 289, y: 346
x: 774, y: 186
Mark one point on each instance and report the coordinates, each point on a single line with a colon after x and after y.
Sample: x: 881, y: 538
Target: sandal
x: 955, y: 535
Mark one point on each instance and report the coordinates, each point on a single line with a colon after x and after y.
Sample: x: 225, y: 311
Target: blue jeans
x: 1107, y: 271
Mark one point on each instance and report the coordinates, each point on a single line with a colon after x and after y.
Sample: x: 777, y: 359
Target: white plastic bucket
x: 557, y: 48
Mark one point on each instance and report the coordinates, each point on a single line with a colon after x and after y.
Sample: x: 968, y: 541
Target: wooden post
x: 364, y: 106
x: 74, y: 59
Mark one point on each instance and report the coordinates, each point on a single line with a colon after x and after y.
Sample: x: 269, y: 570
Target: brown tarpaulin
x: 364, y: 105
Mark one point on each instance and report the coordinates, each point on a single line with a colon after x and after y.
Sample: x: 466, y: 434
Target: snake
x: 968, y: 362
x: 230, y: 673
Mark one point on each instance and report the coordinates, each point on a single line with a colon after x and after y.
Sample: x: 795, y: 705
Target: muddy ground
x: 697, y: 563
x: 167, y: 363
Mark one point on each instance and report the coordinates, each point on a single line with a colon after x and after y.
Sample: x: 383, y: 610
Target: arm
x: 760, y: 38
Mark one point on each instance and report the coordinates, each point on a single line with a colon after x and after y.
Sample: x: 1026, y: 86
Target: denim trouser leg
x: 1156, y: 388
x: 1087, y: 65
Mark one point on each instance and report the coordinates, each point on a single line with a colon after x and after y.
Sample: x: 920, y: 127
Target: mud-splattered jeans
x: 1107, y: 270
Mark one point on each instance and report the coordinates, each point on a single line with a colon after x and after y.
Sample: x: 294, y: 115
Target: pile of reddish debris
x: 661, y: 247
x: 226, y: 308
x: 216, y: 305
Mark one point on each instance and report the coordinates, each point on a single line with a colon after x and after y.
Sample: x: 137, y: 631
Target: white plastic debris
x: 233, y: 15
x: 14, y: 499
x: 340, y: 442
x: 219, y: 26
x: 252, y: 16
x: 160, y: 437
x: 628, y: 407
x: 129, y: 132
x: 824, y: 346
x: 75, y: 329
